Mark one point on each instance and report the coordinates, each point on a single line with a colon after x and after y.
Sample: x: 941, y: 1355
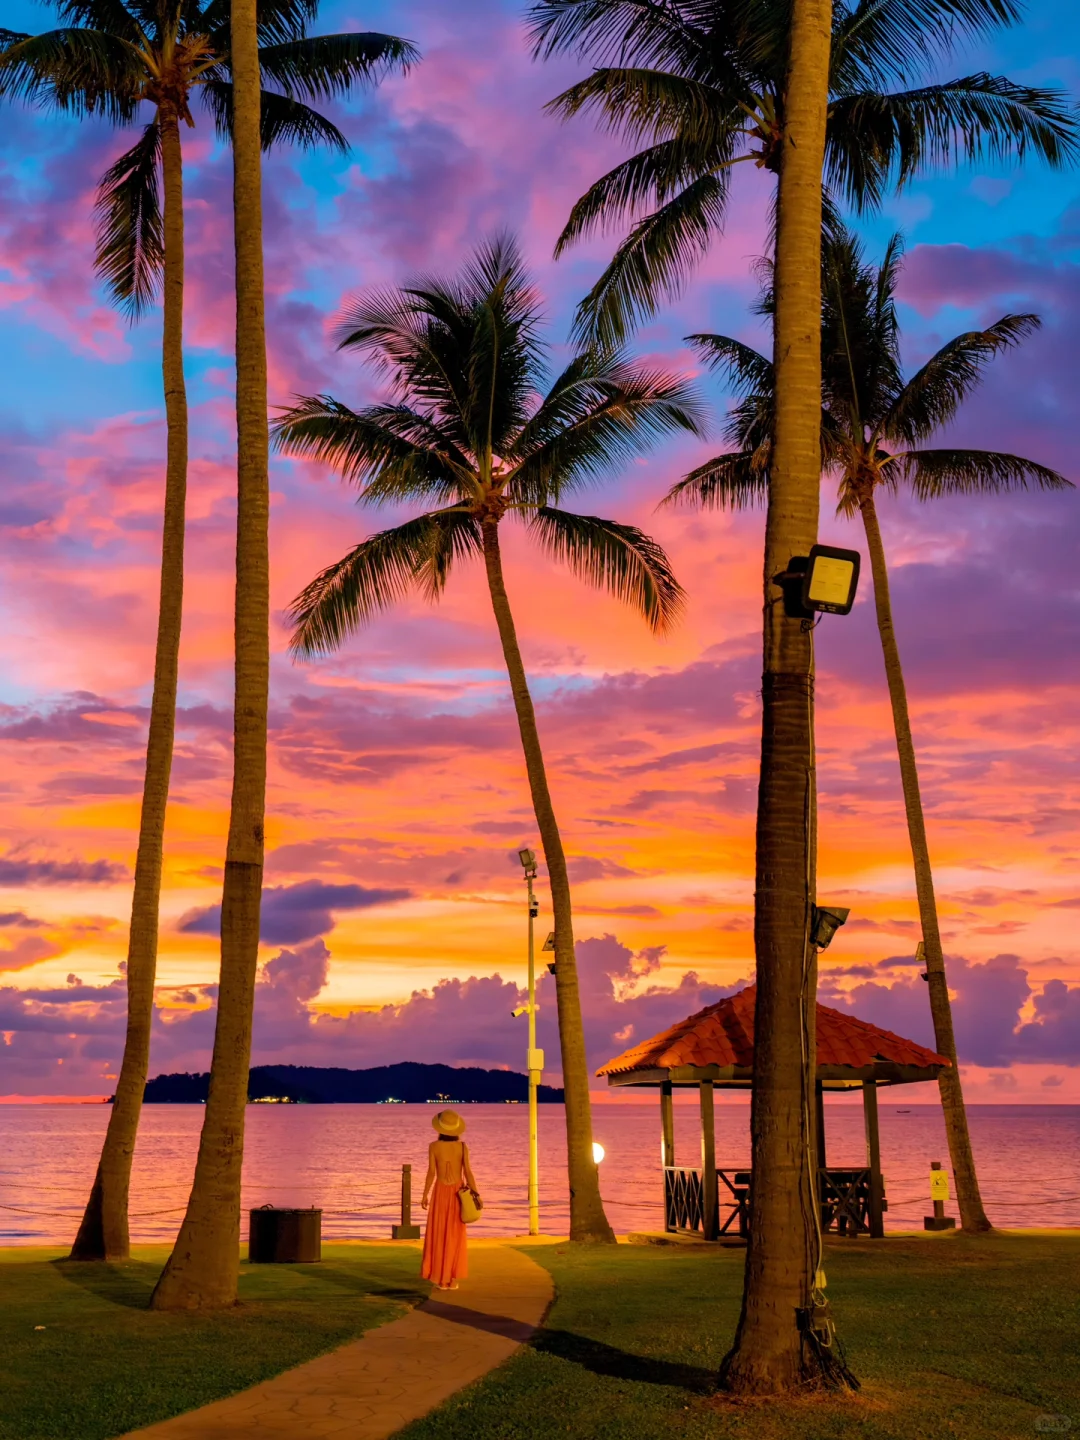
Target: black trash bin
x: 277, y: 1237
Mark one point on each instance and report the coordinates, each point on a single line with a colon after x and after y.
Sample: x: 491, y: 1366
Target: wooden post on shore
x: 709, y: 1222
x: 667, y: 1125
x: 406, y: 1230
x: 873, y: 1155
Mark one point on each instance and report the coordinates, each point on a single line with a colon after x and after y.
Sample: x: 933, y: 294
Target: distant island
x: 407, y: 1083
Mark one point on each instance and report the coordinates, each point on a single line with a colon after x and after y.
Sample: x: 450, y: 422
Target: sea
x: 347, y: 1160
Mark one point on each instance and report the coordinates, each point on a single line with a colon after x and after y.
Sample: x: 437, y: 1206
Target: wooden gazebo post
x: 667, y: 1126
x: 873, y: 1150
x: 819, y: 1138
x: 710, y: 1228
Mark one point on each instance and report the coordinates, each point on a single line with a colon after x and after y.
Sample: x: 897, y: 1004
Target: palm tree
x: 874, y: 429
x: 111, y: 59
x: 465, y: 430
x: 701, y: 85
x: 774, y: 1352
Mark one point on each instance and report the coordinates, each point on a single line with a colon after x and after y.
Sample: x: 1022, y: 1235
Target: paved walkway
x: 372, y: 1387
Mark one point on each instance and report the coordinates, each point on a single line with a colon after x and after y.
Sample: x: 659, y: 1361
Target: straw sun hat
x: 448, y: 1122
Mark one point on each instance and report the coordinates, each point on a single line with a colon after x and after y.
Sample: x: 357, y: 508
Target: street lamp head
x: 826, y: 923
x: 549, y: 943
x: 528, y: 859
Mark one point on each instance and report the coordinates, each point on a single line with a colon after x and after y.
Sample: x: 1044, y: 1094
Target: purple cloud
x: 15, y: 870
x: 292, y: 914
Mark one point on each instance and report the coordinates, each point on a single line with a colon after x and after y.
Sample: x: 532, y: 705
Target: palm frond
x: 391, y: 452
x: 503, y: 358
x: 652, y: 105
x: 278, y: 21
x: 735, y: 481
x: 876, y: 43
x: 653, y: 262
x: 81, y: 72
x: 650, y: 178
x: 321, y: 67
x: 606, y: 412
x: 282, y: 120
x: 466, y: 350
x: 130, y: 252
x: 622, y: 31
x: 110, y: 17
x: 620, y: 559
x: 934, y: 393
x: 748, y: 372
x: 932, y: 474
x: 860, y: 351
x: 373, y: 576
x: 877, y: 141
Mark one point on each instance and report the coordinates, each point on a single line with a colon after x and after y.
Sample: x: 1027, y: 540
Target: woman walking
x: 445, y: 1255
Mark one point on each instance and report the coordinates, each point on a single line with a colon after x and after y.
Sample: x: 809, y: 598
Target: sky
x: 394, y: 919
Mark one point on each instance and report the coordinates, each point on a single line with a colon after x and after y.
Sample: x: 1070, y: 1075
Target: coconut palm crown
x: 468, y: 432
x: 111, y: 56
x: 874, y: 423
x: 699, y: 84
x: 465, y: 427
x: 875, y: 426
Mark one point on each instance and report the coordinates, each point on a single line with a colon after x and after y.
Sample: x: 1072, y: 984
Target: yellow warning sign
x: 939, y: 1185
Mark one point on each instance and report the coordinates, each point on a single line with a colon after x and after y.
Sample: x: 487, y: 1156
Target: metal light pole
x: 535, y: 1057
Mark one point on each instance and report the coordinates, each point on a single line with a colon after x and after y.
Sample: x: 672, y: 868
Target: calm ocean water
x: 347, y: 1159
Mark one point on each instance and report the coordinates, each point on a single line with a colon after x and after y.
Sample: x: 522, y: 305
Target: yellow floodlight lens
x: 830, y: 580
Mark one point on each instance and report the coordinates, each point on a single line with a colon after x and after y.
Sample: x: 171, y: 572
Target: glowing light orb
x: 597, y: 1151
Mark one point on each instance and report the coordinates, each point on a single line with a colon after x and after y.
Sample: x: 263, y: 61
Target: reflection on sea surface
x: 347, y: 1159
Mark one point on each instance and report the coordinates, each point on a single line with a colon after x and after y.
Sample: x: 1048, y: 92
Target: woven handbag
x: 470, y: 1205
x: 469, y: 1200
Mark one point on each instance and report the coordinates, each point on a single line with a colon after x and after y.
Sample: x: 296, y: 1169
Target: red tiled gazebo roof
x: 718, y: 1044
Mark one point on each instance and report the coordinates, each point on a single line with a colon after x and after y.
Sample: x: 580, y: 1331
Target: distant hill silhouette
x: 319, y: 1085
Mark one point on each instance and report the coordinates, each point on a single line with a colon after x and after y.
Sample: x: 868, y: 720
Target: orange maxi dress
x: 445, y: 1249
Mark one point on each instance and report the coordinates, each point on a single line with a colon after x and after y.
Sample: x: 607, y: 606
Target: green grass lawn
x: 951, y: 1336
x: 104, y: 1364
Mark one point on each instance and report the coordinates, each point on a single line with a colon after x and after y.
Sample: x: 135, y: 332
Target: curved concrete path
x: 372, y: 1387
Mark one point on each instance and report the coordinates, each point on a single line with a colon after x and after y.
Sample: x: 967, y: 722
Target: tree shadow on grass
x: 345, y: 1280
x: 129, y: 1285
x: 604, y: 1359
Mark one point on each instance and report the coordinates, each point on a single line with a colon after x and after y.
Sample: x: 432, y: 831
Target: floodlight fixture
x: 528, y: 859
x: 831, y: 579
x: 598, y: 1152
x: 823, y: 582
x: 827, y: 920
x: 549, y: 943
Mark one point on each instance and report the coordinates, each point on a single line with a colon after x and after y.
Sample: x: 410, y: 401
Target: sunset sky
x: 394, y: 917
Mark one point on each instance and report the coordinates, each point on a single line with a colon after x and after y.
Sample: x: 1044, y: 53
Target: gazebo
x: 714, y: 1048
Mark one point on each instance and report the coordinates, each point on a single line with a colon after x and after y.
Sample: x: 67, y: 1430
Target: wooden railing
x: 847, y: 1202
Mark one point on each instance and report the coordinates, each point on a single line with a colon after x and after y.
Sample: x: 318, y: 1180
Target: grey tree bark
x: 202, y: 1271
x: 588, y: 1221
x: 103, y: 1233
x: 969, y: 1200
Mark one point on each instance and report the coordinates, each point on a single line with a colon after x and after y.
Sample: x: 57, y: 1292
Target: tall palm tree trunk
x: 103, y: 1233
x: 203, y: 1269
x: 972, y: 1214
x: 587, y: 1218
x: 770, y: 1354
